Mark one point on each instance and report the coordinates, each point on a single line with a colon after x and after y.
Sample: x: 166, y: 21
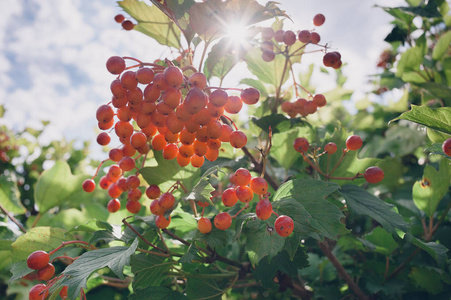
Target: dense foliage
x: 341, y: 205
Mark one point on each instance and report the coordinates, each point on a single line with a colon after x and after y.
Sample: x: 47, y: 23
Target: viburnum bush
x: 264, y: 190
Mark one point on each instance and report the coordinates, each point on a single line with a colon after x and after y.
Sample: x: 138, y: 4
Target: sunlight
x: 237, y: 32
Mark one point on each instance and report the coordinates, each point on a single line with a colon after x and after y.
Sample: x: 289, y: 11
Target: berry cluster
x: 303, y: 106
x: 126, y: 24
x: 273, y: 40
x: 40, y: 261
x: 243, y: 187
x: 353, y: 143
x: 172, y: 113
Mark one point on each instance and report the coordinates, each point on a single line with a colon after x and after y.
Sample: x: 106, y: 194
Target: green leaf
x: 190, y: 255
x: 361, y: 202
x: 55, y: 185
x: 222, y: 58
x: 274, y: 72
x: 436, y: 250
x: 437, y: 119
x: 379, y: 240
x: 168, y: 172
x: 215, y: 238
x: 410, y: 61
x: 436, y: 90
x: 78, y: 272
x: 304, y: 201
x: 183, y: 222
x: 149, y: 270
x: 152, y: 22
x: 442, y: 46
x: 157, y: 293
x: 427, y: 279
x: 256, y: 84
x: 203, y: 189
x: 38, y: 238
x: 282, y: 149
x: 262, y: 241
x: 434, y: 185
x: 10, y: 195
x: 278, y: 122
x: 351, y: 164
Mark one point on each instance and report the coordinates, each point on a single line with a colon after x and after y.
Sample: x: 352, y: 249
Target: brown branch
x: 13, y: 219
x: 400, y: 267
x: 259, y: 167
x: 341, y: 270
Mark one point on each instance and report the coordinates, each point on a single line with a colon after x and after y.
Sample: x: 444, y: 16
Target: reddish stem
x: 69, y: 243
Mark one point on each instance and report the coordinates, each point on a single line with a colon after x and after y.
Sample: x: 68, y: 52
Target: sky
x: 53, y: 54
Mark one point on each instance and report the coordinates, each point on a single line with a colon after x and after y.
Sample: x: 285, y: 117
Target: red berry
x: 304, y: 36
x: 36, y: 292
x: 113, y: 205
x: 223, y: 221
x: 301, y: 145
x: 46, y: 273
x: 267, y: 33
x: 250, y: 96
x: 284, y: 225
x: 319, y: 100
x: 446, y: 147
x: 233, y: 105
x: 278, y: 35
x: 128, y: 25
x: 198, y: 80
x: 63, y: 292
x: 331, y: 59
x: 103, y: 139
x: 242, y: 177
x: 229, y: 197
x: 89, y: 185
x: 354, y: 142
x: 244, y: 193
x: 315, y: 37
x: 119, y: 18
x: 259, y: 185
x: 115, y: 65
x: 162, y: 222
x: 319, y: 19
x: 373, y: 175
x: 268, y: 55
x: 156, y: 209
x: 289, y: 37
x: 38, y: 260
x: 263, y: 209
x: 204, y: 225
x: 166, y: 201
x: 330, y: 148
x: 153, y: 191
x: 238, y: 139
x: 133, y: 206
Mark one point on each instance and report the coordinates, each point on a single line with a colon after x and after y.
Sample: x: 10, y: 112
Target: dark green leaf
x: 262, y: 240
x: 78, y: 272
x: 304, y: 201
x: 190, y: 255
x: 157, y: 293
x: 203, y: 189
x: 149, y: 270
x: 397, y: 34
x: 379, y: 240
x: 428, y: 279
x: 436, y: 250
x: 362, y: 202
x: 215, y: 238
x: 438, y: 119
x: 278, y: 122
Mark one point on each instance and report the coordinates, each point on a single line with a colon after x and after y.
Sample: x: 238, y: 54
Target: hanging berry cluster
x: 158, y: 107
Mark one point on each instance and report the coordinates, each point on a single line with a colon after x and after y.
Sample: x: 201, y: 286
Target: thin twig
x: 141, y: 237
x: 341, y: 270
x: 11, y: 217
